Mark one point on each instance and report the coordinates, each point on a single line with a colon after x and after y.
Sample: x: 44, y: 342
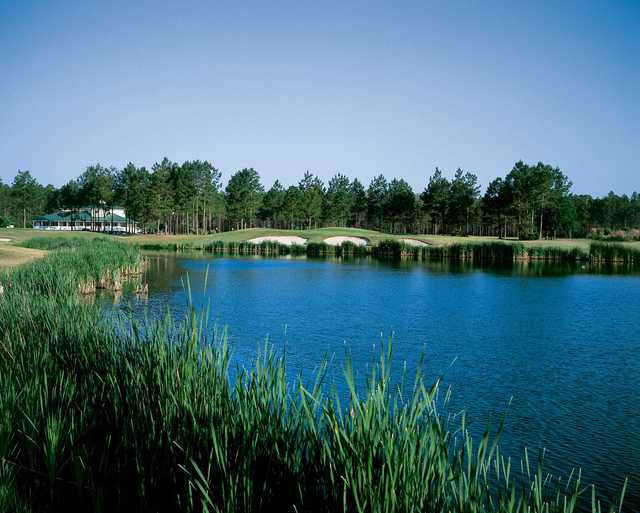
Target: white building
x: 88, y: 219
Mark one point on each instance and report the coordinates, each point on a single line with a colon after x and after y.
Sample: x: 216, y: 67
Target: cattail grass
x: 508, y: 253
x: 265, y: 248
x: 345, y: 249
x: 97, y: 415
x: 606, y: 252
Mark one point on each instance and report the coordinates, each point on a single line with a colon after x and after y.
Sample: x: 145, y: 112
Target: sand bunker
x: 336, y: 241
x: 287, y: 240
x: 4, y: 239
x: 414, y: 242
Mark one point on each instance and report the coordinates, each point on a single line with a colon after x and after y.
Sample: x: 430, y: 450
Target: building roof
x: 81, y: 216
x: 52, y: 218
x: 78, y: 216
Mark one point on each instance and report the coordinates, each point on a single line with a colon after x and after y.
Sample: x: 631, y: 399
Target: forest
x: 528, y: 202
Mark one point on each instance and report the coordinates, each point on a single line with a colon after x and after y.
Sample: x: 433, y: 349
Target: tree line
x: 529, y: 202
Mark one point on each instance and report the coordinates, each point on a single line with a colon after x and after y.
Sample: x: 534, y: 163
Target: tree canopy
x: 530, y: 201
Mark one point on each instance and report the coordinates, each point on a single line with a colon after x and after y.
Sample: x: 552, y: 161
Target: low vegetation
x: 11, y: 256
x: 382, y: 246
x: 615, y: 235
x: 612, y: 252
x: 98, y: 415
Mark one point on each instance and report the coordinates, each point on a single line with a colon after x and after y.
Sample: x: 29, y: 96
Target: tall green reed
x: 151, y: 417
x: 609, y: 252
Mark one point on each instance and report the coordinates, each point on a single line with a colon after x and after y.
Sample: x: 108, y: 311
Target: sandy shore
x: 414, y: 242
x: 336, y: 241
x: 287, y: 240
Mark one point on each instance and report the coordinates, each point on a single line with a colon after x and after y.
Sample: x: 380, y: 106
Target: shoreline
x: 347, y: 242
x: 498, y: 252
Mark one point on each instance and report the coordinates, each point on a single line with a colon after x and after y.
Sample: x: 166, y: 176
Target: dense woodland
x: 531, y: 201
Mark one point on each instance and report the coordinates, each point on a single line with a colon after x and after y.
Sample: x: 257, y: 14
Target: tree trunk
x: 541, y: 216
x: 467, y: 228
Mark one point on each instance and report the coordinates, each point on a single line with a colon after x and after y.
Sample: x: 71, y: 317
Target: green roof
x: 79, y: 216
x: 82, y: 216
x: 52, y: 218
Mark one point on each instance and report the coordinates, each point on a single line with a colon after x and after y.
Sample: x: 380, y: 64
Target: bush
x: 606, y: 235
x: 528, y: 235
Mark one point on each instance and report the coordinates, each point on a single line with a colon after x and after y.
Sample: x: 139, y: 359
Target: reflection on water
x: 518, y: 268
x: 558, y: 346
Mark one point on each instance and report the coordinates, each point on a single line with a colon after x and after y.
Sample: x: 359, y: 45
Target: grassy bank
x: 11, y: 256
x: 313, y: 236
x: 199, y: 241
x: 465, y: 249
x: 97, y: 417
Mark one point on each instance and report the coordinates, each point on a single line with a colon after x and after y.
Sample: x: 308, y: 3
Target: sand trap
x: 336, y: 241
x: 287, y: 240
x: 414, y: 242
x: 4, y: 239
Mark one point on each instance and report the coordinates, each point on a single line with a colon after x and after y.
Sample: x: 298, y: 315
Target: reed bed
x: 551, y: 254
x: 265, y: 248
x: 475, y: 252
x: 101, y: 416
x: 346, y: 249
x: 608, y: 252
x: 502, y: 253
x: 508, y: 253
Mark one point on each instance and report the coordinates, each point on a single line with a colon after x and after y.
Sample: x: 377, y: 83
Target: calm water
x: 557, y: 349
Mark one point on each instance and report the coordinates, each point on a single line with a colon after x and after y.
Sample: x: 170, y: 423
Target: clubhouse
x: 113, y: 220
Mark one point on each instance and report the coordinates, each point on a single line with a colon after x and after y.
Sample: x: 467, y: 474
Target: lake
x: 556, y: 348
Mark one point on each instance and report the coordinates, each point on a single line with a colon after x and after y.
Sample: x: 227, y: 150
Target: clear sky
x: 353, y: 87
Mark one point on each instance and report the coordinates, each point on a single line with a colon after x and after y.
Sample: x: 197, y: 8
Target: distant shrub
x: 389, y: 249
x: 315, y: 249
x: 349, y: 249
x: 528, y: 235
x: 603, y: 234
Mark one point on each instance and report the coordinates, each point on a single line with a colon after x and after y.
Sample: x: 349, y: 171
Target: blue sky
x: 353, y: 87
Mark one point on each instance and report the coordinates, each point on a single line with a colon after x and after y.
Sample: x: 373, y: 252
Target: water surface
x: 556, y: 348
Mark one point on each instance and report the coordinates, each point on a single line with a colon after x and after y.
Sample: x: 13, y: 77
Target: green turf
x: 314, y: 236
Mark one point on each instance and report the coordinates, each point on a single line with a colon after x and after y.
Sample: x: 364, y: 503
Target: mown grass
x: 313, y: 236
x: 559, y: 250
x: 100, y: 416
x: 11, y: 256
x: 198, y: 241
x: 497, y: 252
